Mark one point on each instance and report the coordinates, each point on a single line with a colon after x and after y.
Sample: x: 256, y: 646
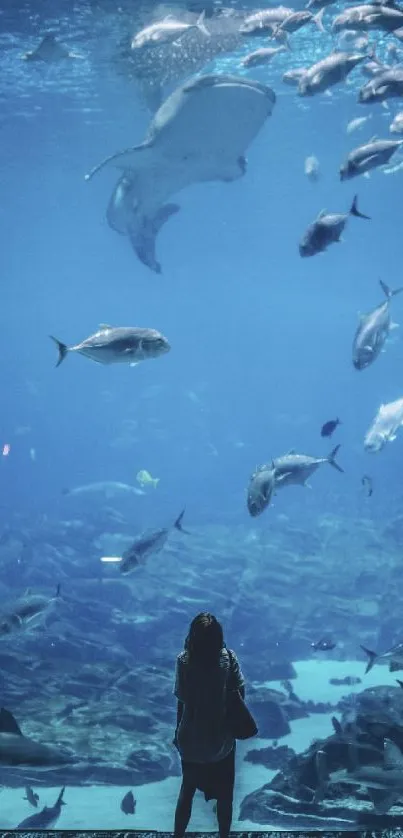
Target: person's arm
x: 237, y: 679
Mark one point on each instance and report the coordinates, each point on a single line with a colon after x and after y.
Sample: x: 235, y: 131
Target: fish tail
x: 400, y: 683
x: 201, y: 25
x: 332, y: 459
x: 389, y: 292
x: 372, y: 658
x: 318, y: 20
x: 355, y: 211
x: 58, y: 589
x: 155, y: 482
x: 63, y: 350
x: 178, y: 522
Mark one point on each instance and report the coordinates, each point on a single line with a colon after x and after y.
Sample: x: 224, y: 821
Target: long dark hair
x: 205, y: 640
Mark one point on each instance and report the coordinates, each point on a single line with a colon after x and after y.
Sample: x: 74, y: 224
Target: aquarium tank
x: 201, y: 369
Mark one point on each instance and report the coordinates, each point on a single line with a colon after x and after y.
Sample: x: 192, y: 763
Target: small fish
x: 356, y: 123
x: 144, y: 478
x: 148, y: 544
x: 312, y: 168
x: 329, y: 427
x: 128, y: 804
x: 323, y: 645
x: 394, y: 657
x: 45, y: 819
x: 366, y: 481
x: 261, y: 56
x: 327, y: 229
x: 118, y: 344
x: 31, y: 796
x: 384, y: 427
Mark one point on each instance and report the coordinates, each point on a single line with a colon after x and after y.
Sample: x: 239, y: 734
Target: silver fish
x: 260, y: 490
x: 263, y: 21
x: 292, y: 77
x: 31, y: 796
x: 312, y: 168
x: 367, y: 16
x: 326, y: 229
x: 25, y: 612
x: 387, y: 422
x: 294, y: 469
x: 146, y: 545
x: 261, y: 56
x: 369, y: 156
x: 167, y: 31
x: 372, y: 331
x: 387, y: 85
x: 297, y: 20
x: 329, y: 71
x: 118, y: 344
x: 45, y: 819
x: 396, y: 126
x: 108, y: 488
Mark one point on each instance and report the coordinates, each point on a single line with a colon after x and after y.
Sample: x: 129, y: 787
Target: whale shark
x: 199, y: 134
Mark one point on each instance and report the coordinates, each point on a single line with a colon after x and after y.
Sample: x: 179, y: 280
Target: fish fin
x: 336, y: 726
x: 8, y: 724
x: 63, y: 350
x: 393, y: 326
x: 332, y: 459
x: 201, y: 25
x: 399, y: 682
x: 143, y: 239
x: 178, y: 523
x: 105, y: 326
x: 355, y: 211
x: 60, y: 801
x: 367, y: 175
x: 321, y: 214
x: 155, y: 481
x: 372, y: 657
x: 307, y: 486
x: 318, y: 20
x: 389, y: 293
x: 393, y: 757
x: 128, y: 160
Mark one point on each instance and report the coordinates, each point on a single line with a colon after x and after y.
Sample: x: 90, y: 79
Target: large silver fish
x: 260, y: 490
x: 328, y: 72
x: 118, y: 345
x: 294, y: 469
x: 369, y: 156
x: 201, y: 133
x: 25, y: 612
x: 386, y: 85
x: 384, y: 427
x: 372, y: 331
x: 146, y: 545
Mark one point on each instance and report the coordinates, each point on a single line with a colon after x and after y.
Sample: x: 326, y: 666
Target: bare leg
x: 183, y: 809
x: 224, y: 816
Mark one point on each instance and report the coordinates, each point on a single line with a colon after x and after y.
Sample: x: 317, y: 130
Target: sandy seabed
x: 98, y: 807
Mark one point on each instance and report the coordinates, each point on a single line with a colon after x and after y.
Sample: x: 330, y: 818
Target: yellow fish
x: 144, y: 478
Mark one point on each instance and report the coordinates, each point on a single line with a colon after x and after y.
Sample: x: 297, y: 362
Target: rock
x: 273, y: 758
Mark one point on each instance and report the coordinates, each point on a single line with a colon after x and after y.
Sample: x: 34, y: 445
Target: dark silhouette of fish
x: 148, y: 544
x: 128, y: 804
x: 48, y: 816
x: 323, y: 645
x: 329, y: 427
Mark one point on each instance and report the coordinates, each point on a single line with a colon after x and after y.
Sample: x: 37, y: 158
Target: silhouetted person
x: 204, y: 673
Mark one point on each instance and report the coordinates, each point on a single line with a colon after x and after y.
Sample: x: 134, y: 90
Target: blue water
x: 261, y: 339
